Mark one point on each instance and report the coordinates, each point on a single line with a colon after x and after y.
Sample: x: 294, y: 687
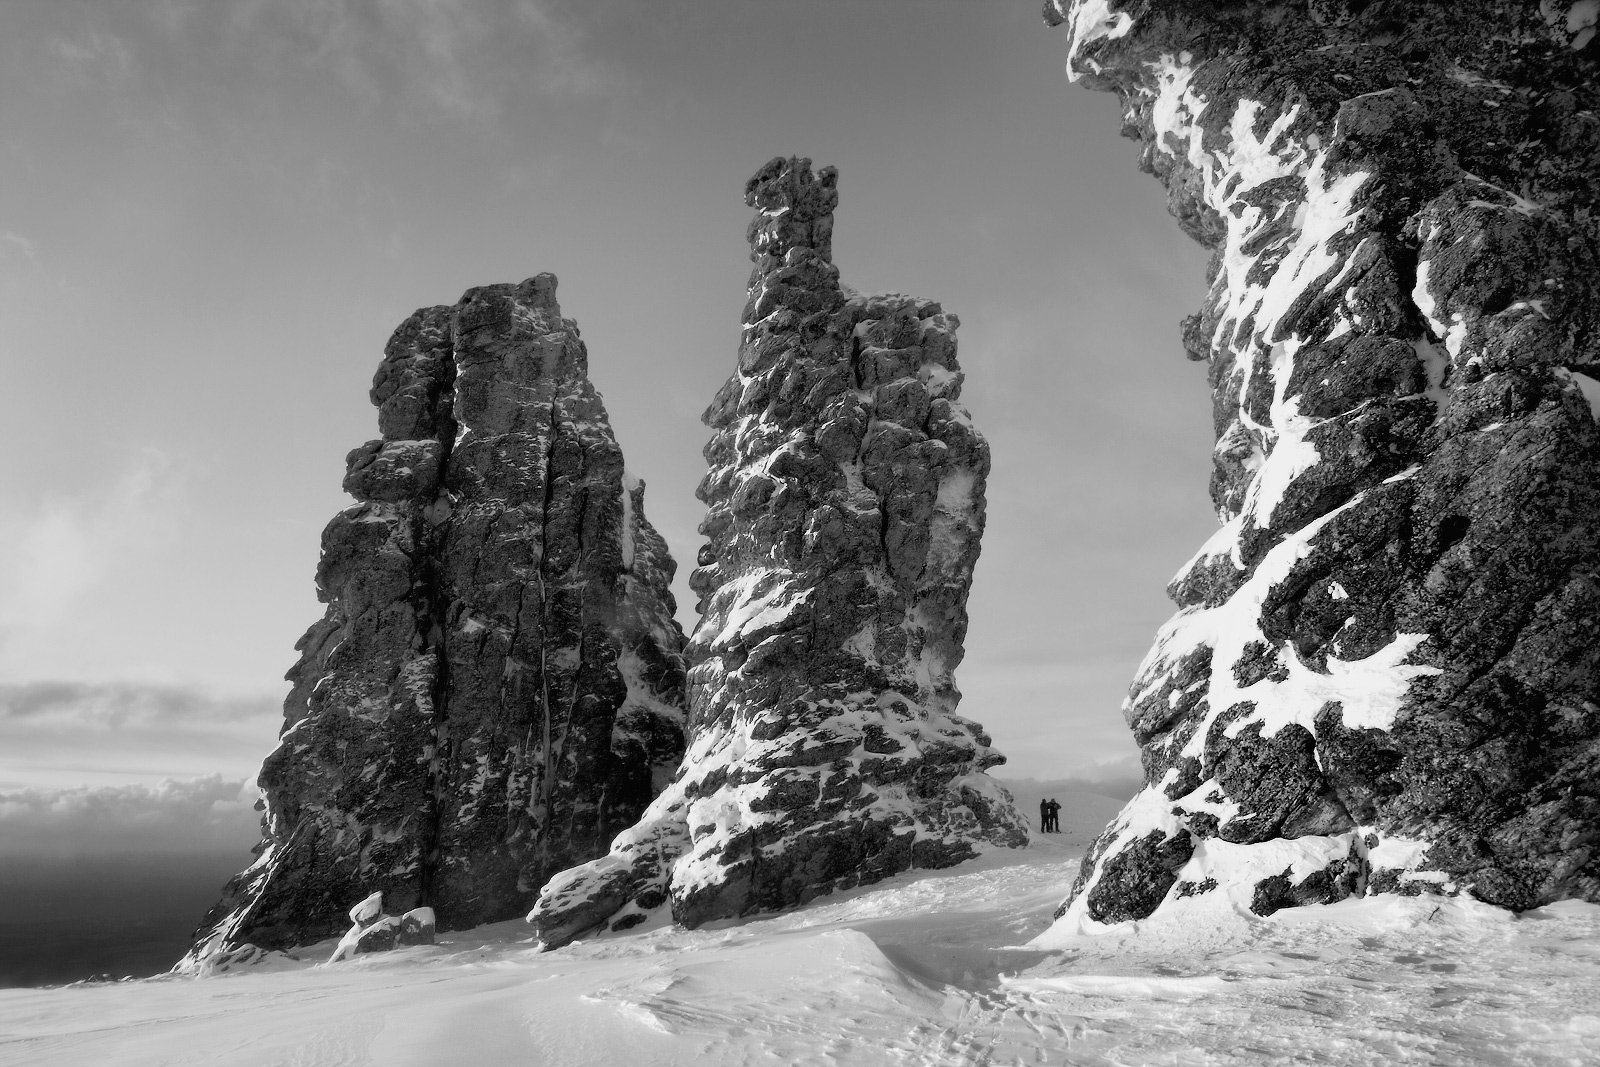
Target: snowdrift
x: 925, y: 968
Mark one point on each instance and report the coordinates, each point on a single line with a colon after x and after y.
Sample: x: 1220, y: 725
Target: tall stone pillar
x: 497, y: 685
x: 844, y: 505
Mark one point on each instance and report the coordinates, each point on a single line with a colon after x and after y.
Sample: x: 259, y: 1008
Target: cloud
x: 119, y: 706
x: 54, y: 550
x: 96, y: 51
x: 14, y: 243
x: 200, y: 68
x: 56, y: 733
x: 449, y: 59
x: 195, y: 816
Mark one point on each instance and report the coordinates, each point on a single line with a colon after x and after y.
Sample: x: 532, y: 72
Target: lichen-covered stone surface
x: 497, y: 687
x: 1383, y: 675
x: 844, y: 508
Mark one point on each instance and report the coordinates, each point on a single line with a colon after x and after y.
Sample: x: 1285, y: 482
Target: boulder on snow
x: 376, y: 932
x: 368, y: 910
x: 416, y: 927
x: 381, y: 935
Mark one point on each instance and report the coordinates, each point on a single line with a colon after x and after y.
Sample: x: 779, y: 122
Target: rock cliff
x: 1383, y: 673
x: 845, y: 500
x: 497, y: 686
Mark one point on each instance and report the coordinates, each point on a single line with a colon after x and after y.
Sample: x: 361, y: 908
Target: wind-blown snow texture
x: 1383, y: 674
x: 921, y: 968
x: 844, y: 507
x: 497, y: 686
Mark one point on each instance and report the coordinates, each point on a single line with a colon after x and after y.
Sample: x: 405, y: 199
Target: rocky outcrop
x: 374, y: 930
x: 497, y: 686
x: 844, y: 507
x: 1383, y: 674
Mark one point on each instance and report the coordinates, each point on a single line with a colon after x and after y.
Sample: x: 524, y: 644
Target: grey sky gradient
x: 215, y: 211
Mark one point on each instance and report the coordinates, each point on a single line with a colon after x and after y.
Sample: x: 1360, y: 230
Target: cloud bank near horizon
x: 1118, y: 781
x: 197, y: 816
x: 83, y: 734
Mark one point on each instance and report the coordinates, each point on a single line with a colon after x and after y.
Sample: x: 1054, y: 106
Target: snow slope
x: 925, y: 968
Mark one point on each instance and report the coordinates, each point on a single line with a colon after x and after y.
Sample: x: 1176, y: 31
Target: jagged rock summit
x: 844, y: 507
x: 497, y: 686
x: 1383, y: 675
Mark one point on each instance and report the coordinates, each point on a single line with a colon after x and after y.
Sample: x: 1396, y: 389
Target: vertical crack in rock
x: 497, y: 686
x: 844, y: 505
x: 1383, y: 673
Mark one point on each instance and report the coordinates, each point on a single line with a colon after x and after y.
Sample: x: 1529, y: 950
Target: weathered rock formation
x: 374, y: 930
x: 1383, y: 675
x: 497, y: 686
x: 844, y: 508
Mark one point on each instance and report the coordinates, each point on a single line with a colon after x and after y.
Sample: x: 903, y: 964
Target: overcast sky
x: 215, y: 211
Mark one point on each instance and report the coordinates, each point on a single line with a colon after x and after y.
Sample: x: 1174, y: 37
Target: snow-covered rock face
x: 497, y: 686
x: 1383, y: 675
x: 844, y: 508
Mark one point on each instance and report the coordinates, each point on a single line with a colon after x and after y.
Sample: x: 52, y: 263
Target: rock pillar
x: 844, y: 505
x: 1382, y: 676
x: 497, y: 686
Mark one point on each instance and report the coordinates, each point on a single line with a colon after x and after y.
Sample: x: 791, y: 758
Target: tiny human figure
x: 1053, y: 817
x: 1044, y: 816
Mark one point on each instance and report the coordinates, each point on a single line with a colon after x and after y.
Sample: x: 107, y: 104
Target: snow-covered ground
x: 927, y: 968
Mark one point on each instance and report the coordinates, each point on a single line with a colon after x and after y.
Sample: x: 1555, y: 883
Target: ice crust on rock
x: 844, y: 508
x: 1382, y: 676
x: 373, y: 931
x: 497, y: 686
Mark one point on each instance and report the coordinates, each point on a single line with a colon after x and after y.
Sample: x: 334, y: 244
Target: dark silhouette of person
x: 1053, y: 817
x: 1044, y: 816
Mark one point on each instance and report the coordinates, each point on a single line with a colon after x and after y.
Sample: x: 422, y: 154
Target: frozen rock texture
x: 497, y: 687
x: 844, y: 505
x: 1383, y: 674
x: 373, y: 930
